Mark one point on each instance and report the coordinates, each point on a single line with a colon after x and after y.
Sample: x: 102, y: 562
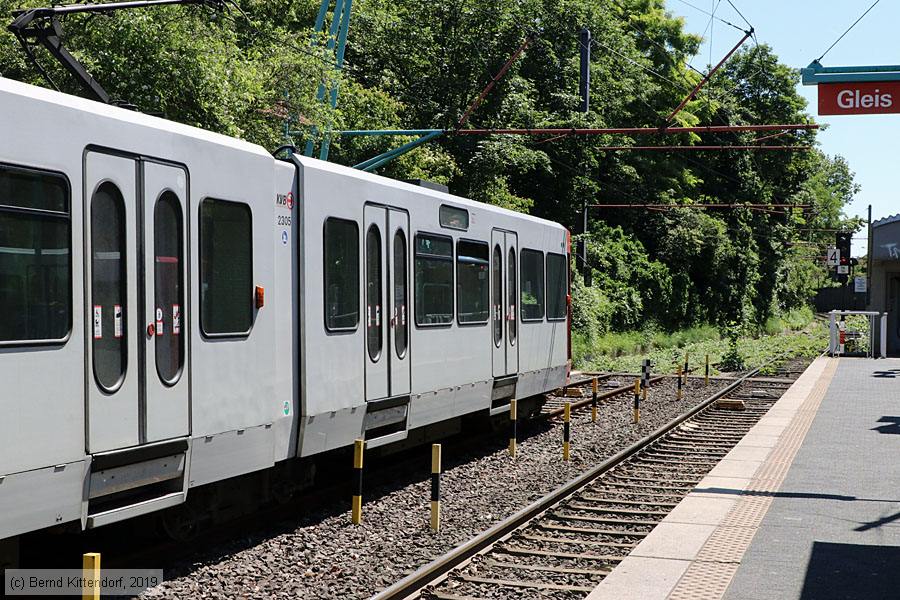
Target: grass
x: 795, y: 334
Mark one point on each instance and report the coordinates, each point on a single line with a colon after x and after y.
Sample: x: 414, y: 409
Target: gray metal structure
x: 144, y: 397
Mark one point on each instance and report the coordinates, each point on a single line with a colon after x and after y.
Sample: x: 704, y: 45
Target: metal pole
x: 637, y: 400
x: 584, y: 82
x: 583, y: 244
x: 356, y: 510
x: 435, y: 487
x: 513, y: 435
x: 339, y: 64
x: 869, y: 262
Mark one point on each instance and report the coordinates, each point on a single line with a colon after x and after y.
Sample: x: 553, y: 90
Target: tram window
x: 341, y: 253
x: 433, y: 279
x: 472, y: 305
x: 168, y: 240
x: 226, y: 268
x: 497, y: 293
x: 35, y: 256
x: 109, y: 294
x: 532, y: 285
x: 374, y: 304
x: 556, y: 287
x: 453, y: 218
x: 401, y: 329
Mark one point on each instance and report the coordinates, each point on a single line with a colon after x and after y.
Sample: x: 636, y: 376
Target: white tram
x: 178, y: 308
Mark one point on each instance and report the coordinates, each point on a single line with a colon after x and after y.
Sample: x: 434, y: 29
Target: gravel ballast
x: 321, y: 554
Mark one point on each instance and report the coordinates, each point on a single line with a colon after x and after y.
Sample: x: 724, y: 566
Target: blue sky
x: 799, y: 31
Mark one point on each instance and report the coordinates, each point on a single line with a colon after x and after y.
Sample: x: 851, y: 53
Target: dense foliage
x: 249, y: 68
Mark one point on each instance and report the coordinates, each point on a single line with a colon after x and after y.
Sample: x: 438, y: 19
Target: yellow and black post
x: 706, y: 376
x: 637, y: 400
x: 594, y: 400
x: 645, y: 377
x: 679, y: 382
x: 356, y: 512
x: 513, y: 434
x: 567, y: 415
x: 90, y: 570
x: 686, y: 368
x: 435, y: 487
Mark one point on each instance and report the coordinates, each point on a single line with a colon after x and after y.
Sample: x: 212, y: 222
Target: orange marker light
x: 260, y: 296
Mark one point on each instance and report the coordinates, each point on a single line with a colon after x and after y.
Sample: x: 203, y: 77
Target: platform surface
x: 807, y: 506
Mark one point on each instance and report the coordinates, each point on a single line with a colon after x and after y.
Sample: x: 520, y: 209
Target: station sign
x: 859, y: 98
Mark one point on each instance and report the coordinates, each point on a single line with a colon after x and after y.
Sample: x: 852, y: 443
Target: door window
x: 109, y: 301
x: 35, y: 257
x: 373, y: 293
x: 401, y: 328
x: 497, y: 294
x: 168, y: 270
x: 511, y: 294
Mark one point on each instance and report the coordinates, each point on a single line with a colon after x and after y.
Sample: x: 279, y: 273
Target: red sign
x: 864, y: 98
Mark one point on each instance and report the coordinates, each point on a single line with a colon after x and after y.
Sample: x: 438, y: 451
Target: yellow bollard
x: 90, y: 567
x: 435, y: 487
x: 594, y: 401
x: 356, y: 511
x: 679, y: 386
x: 512, y: 432
x: 637, y: 400
x: 567, y: 414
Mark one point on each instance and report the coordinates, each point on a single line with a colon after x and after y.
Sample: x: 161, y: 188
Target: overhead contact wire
x: 848, y: 30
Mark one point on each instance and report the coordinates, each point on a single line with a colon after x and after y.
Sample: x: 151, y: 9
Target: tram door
x: 135, y: 298
x: 504, y: 302
x: 386, y: 247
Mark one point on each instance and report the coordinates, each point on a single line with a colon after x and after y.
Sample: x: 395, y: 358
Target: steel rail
x: 607, y: 394
x: 433, y: 571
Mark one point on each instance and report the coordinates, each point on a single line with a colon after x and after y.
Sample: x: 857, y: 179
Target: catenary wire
x: 848, y: 30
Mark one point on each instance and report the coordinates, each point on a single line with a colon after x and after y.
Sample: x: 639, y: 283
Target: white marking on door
x: 176, y: 319
x: 98, y: 322
x: 159, y: 321
x: 117, y: 320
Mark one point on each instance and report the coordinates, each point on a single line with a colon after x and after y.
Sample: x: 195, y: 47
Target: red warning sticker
x: 176, y: 319
x: 98, y: 322
x: 159, y: 321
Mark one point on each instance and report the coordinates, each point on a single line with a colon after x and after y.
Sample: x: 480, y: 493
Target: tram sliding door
x: 504, y: 302
x: 137, y: 389
x: 386, y: 247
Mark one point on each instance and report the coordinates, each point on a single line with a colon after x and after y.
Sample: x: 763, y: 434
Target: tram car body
x: 179, y: 308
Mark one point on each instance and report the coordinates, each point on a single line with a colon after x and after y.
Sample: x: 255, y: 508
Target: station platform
x: 806, y: 506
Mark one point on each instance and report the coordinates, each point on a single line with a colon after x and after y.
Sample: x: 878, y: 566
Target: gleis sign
x: 864, y: 98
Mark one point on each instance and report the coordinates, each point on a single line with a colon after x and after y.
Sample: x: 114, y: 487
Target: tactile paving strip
x: 711, y: 573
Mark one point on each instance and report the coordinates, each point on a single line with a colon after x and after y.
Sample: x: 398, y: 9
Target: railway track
x: 564, y: 544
